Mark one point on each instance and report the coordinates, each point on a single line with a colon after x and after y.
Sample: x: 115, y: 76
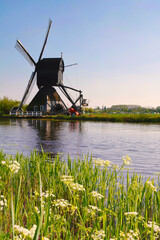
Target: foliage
x: 7, y: 104
x: 88, y: 110
x: 129, y: 109
x: 131, y: 118
x: 45, y: 198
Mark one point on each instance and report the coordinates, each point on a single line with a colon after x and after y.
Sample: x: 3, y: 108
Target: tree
x: 7, y: 104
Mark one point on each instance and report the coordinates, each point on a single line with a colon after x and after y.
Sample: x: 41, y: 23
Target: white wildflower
x: 14, y: 167
x: 77, y: 187
x: 151, y: 186
x: 134, y: 234
x: 45, y: 238
x: 156, y: 228
x: 22, y: 230
x: 67, y: 179
x: 61, y: 203
x: 37, y: 210
x: 98, y: 235
x: 3, y: 162
x: 127, y: 160
x: 115, y: 167
x: 129, y: 236
x: 3, y: 202
x: 95, y: 208
x: 97, y: 195
x: 131, y: 214
x: 32, y: 231
x: 25, y: 232
x: 102, y: 163
x: 47, y: 194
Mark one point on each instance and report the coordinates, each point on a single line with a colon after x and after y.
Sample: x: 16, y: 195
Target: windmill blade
x: 70, y: 65
x: 45, y: 41
x: 30, y: 90
x: 24, y: 52
x: 27, y: 89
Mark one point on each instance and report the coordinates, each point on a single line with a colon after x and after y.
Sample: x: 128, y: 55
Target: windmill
x: 49, y: 73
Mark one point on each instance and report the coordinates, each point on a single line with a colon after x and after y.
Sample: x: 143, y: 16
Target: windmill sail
x: 27, y: 89
x: 24, y: 52
x: 45, y: 41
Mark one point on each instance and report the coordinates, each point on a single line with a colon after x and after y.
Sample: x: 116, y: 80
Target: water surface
x: 108, y: 141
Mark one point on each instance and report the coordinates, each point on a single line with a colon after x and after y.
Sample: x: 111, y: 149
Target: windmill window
x: 35, y: 108
x: 42, y: 108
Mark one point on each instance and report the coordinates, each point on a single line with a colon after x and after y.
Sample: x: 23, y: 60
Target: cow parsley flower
x: 127, y: 160
x: 67, y: 179
x: 45, y: 238
x: 14, y: 166
x: 25, y: 232
x: 95, y: 208
x: 77, y: 187
x: 131, y: 235
x: 3, y: 202
x: 61, y: 203
x: 130, y: 213
x: 47, y: 194
x: 149, y: 183
x: 37, y: 210
x: 102, y: 163
x: 98, y: 235
x: 97, y: 195
x: 156, y: 228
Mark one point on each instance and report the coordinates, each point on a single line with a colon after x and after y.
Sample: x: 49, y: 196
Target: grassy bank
x: 43, y: 198
x: 129, y: 118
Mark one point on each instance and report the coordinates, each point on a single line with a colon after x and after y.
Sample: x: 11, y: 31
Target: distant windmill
x: 49, y: 73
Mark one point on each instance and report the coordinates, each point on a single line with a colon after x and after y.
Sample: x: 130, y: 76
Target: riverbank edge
x: 126, y: 118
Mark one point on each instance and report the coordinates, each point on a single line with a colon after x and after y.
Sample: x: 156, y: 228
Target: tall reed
x: 45, y: 198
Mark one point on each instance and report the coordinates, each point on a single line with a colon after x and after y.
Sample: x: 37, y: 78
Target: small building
x: 47, y: 100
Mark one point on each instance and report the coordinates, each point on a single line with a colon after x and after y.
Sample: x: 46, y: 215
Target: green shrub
x: 7, y: 104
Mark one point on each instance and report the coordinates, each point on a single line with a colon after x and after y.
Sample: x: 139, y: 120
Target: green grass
x: 130, y: 118
x: 126, y: 118
x: 44, y: 198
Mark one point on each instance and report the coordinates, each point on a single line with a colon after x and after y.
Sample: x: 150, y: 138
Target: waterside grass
x: 107, y: 117
x: 103, y: 117
x: 45, y: 198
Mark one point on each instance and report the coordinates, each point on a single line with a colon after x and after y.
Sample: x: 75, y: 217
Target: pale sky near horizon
x: 115, y: 42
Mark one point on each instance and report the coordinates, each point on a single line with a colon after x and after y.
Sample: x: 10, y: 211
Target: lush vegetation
x: 117, y: 113
x: 44, y: 198
x: 7, y: 104
x: 118, y: 109
x: 130, y: 118
x: 130, y: 109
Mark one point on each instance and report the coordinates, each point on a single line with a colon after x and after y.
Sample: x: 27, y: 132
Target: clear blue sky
x: 115, y: 42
